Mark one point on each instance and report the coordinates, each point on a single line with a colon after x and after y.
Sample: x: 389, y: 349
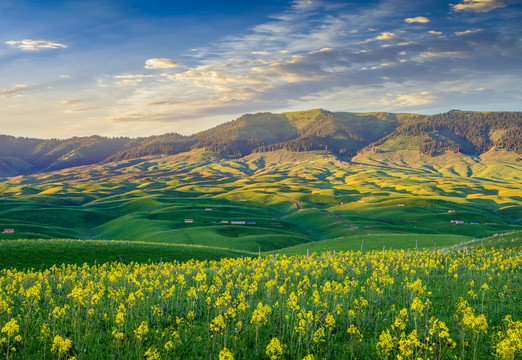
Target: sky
x: 138, y: 68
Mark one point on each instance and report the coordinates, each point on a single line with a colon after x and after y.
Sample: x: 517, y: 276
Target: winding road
x: 288, y: 197
x: 311, y: 209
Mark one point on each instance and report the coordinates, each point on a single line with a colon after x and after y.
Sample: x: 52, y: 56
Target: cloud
x: 412, y: 100
x: 160, y: 64
x: 418, y: 19
x: 128, y: 118
x: 210, y: 76
x: 386, y: 36
x: 482, y: 5
x: 468, y: 32
x: 303, y: 4
x: 34, y: 45
x: 16, y: 90
x: 84, y: 109
x: 131, y: 79
x: 313, y: 57
x: 70, y: 102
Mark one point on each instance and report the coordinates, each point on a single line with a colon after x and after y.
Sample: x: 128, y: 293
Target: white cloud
x: 418, y: 19
x: 411, y: 100
x: 131, y: 79
x: 209, y: 76
x: 304, y: 4
x: 160, y: 64
x: 34, y: 45
x: 433, y: 32
x: 482, y: 5
x: 15, y: 90
x: 386, y: 36
x: 468, y: 32
x: 430, y: 54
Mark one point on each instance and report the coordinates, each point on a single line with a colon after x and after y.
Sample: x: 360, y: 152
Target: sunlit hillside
x: 288, y: 202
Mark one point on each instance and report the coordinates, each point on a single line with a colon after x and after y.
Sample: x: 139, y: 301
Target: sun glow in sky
x: 137, y: 68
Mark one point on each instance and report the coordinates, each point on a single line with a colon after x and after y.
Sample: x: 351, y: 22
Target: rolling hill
x: 285, y: 183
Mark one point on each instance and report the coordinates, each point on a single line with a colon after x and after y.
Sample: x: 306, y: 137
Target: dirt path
x: 315, y: 210
x: 334, y: 217
x: 288, y: 197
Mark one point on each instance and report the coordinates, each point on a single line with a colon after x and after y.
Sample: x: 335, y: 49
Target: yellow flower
x: 386, y: 344
x: 11, y: 328
x: 274, y: 350
x: 330, y: 322
x: 510, y: 345
x: 417, y: 306
x: 120, y: 315
x: 45, y: 332
x: 152, y: 354
x: 142, y: 330
x: 118, y: 335
x: 261, y: 314
x: 319, y: 336
x: 225, y: 354
x: 61, y: 345
x: 354, y: 332
x: 217, y: 324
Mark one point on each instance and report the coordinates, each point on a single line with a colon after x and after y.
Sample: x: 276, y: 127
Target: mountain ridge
x: 342, y: 134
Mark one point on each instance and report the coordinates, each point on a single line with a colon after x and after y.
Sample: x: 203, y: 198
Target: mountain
x: 471, y: 133
x: 340, y: 133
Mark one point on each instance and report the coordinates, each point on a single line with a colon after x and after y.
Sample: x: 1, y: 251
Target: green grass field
x: 384, y: 203
x: 43, y: 254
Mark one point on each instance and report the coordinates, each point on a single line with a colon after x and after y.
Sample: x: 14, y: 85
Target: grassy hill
x: 397, y: 199
x: 266, y: 182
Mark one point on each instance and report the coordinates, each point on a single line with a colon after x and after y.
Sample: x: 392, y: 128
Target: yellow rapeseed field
x: 380, y: 305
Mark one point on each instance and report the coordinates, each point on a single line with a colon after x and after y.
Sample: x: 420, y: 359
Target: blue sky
x: 137, y: 68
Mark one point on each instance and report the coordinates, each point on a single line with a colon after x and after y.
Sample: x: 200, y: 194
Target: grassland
x: 379, y: 200
x: 103, y: 264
